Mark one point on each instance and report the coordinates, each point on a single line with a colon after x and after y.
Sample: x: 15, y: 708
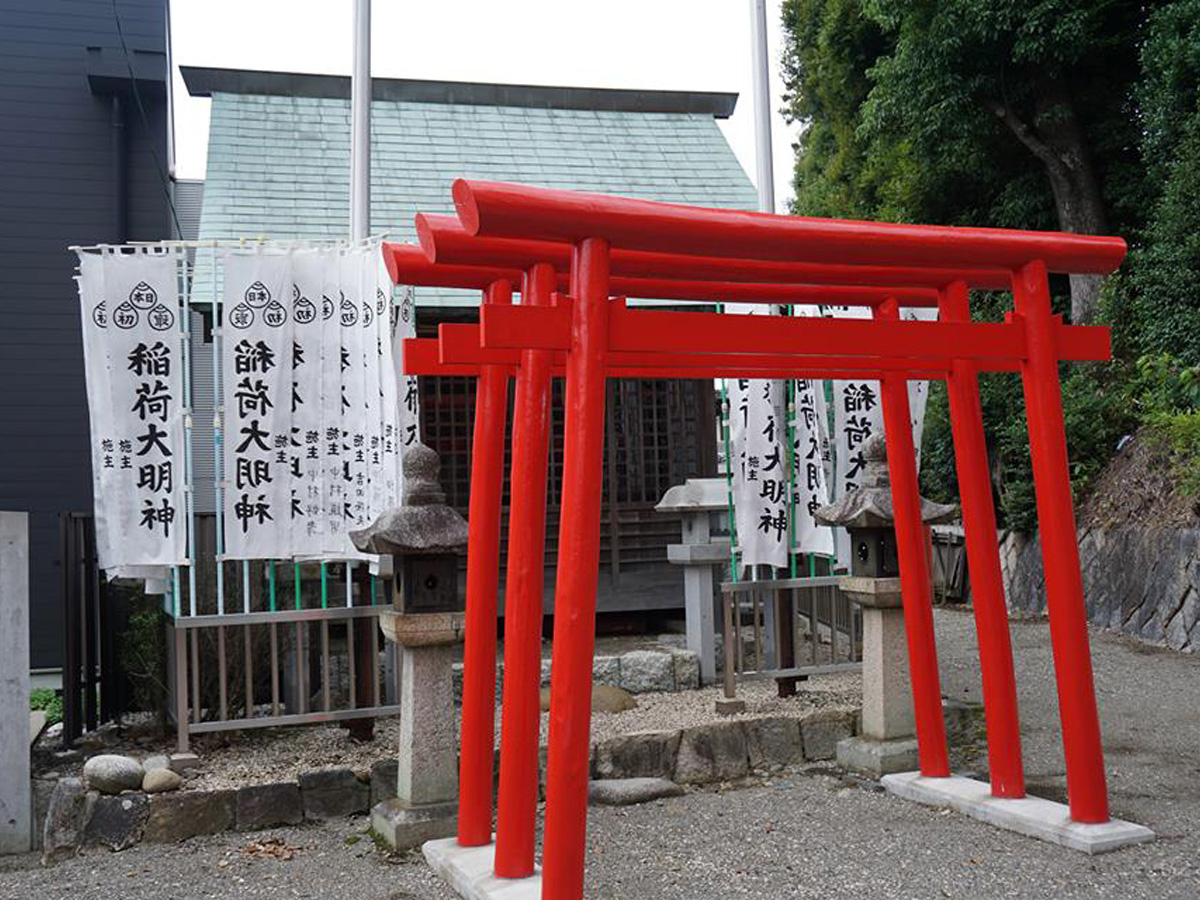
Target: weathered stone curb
x: 723, y: 751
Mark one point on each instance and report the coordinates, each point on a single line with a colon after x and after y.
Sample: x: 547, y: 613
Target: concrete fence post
x: 15, y: 798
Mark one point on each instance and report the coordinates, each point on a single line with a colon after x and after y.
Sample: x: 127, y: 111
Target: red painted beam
x: 445, y: 240
x: 658, y: 332
x: 497, y: 209
x: 407, y: 264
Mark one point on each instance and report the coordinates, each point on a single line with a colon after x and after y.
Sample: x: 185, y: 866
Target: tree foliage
x: 1028, y: 114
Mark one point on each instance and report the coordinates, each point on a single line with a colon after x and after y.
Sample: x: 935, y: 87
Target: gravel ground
x: 334, y: 859
x: 803, y: 833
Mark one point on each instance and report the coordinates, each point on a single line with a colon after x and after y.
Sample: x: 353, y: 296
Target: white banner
x: 389, y: 394
x: 858, y: 413
x: 309, y: 522
x: 810, y: 451
x: 256, y: 368
x: 409, y: 395
x: 760, y: 477
x: 130, y: 309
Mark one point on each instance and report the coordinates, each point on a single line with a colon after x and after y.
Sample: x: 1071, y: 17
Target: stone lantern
x: 887, y: 743
x: 425, y: 537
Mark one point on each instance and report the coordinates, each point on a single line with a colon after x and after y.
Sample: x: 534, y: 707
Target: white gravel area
x: 237, y: 759
x: 668, y: 712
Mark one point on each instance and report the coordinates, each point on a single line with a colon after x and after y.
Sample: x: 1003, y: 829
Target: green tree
x: 1016, y: 113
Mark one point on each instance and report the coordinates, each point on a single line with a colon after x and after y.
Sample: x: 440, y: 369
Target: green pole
x: 324, y: 587
x: 271, y: 582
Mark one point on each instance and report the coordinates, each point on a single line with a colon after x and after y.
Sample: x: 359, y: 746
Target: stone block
x: 715, y: 752
x: 117, y: 822
x: 628, y: 791
x: 428, y: 745
x: 66, y: 819
x: 607, y: 670
x: 404, y: 827
x: 179, y: 816
x: 469, y: 872
x: 269, y: 805
x: 546, y: 672
x: 385, y: 775
x: 687, y: 670
x: 821, y: 731
x: 773, y: 741
x: 43, y: 790
x: 647, y: 754
x: 643, y: 671
x: 333, y: 793
x: 877, y: 758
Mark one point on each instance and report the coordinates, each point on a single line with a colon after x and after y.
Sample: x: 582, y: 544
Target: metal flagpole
x: 764, y: 165
x: 360, y: 124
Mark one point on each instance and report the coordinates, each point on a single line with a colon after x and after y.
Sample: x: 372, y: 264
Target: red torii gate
x: 595, y: 339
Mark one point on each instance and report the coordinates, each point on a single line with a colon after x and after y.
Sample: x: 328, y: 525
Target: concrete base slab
x: 877, y: 758
x: 469, y: 871
x: 1031, y: 816
x: 404, y: 827
x: 730, y: 707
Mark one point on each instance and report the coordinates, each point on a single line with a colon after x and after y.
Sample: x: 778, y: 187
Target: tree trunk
x: 1057, y: 139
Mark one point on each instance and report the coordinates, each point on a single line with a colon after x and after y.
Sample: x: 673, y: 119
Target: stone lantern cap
x: 870, y: 506
x: 422, y: 523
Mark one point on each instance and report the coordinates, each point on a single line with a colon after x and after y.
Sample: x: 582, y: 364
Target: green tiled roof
x: 278, y: 166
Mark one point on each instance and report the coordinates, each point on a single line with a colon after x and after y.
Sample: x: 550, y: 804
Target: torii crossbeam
x: 614, y: 246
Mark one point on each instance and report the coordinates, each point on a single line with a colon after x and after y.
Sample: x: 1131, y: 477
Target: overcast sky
x: 701, y: 45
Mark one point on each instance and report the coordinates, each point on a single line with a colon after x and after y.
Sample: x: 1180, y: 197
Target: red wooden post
x: 932, y: 754
x: 483, y: 561
x: 516, y: 817
x: 983, y: 563
x: 1086, y: 789
x: 575, y: 586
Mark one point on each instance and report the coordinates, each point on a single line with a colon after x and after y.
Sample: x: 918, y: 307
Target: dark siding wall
x: 56, y: 189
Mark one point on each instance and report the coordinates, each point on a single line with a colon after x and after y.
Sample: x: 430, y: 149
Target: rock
x: 687, y: 670
x: 605, y: 698
x: 184, y: 762
x: 268, y: 805
x: 773, y: 742
x: 179, y: 816
x: 609, y: 699
x: 158, y: 761
x: 159, y: 781
x: 607, y: 670
x: 643, y: 671
x: 627, y: 791
x: 821, y: 731
x: 109, y: 773
x: 385, y: 776
x: 117, y: 822
x: 545, y: 672
x: 647, y: 754
x: 43, y: 790
x: 333, y: 793
x: 65, y: 821
x: 715, y: 752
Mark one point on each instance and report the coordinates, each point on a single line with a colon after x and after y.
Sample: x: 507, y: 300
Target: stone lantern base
x: 426, y: 805
x: 887, y: 743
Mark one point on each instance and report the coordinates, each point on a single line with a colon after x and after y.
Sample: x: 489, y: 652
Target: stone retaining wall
x: 669, y: 670
x: 1140, y: 581
x: 76, y: 818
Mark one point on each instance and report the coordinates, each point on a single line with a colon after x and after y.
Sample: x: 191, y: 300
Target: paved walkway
x: 805, y: 834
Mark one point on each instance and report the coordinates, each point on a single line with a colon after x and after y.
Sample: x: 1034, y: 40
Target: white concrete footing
x: 469, y: 871
x: 1031, y: 816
